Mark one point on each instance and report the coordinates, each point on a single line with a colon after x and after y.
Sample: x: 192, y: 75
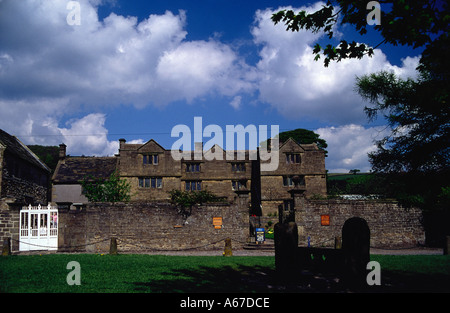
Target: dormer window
x: 292, y: 158
x: 150, y: 159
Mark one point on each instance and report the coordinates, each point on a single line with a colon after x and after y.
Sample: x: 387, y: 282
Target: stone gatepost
x: 243, y: 208
x: 298, y: 212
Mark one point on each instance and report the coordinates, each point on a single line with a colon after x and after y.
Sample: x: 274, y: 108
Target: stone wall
x: 391, y: 225
x: 9, y: 223
x: 150, y: 226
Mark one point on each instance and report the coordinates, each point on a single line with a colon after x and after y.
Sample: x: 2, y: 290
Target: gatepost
x: 356, y: 251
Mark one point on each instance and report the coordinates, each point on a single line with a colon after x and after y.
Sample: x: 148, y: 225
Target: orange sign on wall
x: 217, y: 222
x: 325, y: 220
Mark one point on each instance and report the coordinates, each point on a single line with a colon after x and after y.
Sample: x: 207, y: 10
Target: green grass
x: 416, y: 273
x: 157, y: 273
x: 130, y: 273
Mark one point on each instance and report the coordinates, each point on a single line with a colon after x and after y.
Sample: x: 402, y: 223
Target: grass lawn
x: 157, y: 273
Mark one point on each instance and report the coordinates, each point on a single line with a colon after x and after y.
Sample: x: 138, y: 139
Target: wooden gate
x: 38, y: 228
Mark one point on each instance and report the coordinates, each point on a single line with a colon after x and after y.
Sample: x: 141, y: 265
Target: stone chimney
x: 62, y: 151
x: 122, y: 143
x: 198, y: 150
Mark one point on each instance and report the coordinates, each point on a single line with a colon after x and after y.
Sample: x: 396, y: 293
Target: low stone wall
x: 150, y: 226
x: 391, y: 225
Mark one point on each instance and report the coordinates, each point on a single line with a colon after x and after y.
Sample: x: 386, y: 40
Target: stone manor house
x: 39, y: 212
x: 152, y: 173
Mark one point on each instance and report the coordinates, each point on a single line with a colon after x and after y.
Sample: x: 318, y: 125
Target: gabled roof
x: 153, y: 145
x: 73, y: 170
x: 15, y: 147
x: 305, y: 147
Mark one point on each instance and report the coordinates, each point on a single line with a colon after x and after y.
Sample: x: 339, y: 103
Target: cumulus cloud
x: 348, y: 146
x: 299, y: 87
x: 50, y: 69
x: 83, y: 136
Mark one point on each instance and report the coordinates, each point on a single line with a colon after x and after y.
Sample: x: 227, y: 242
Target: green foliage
x: 185, y: 200
x: 304, y: 136
x: 112, y: 189
x: 418, y: 115
x: 414, y: 23
x: 47, y: 154
x: 413, y: 160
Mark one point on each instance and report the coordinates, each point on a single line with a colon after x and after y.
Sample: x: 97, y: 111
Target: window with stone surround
x: 238, y: 184
x: 150, y: 182
x: 193, y: 185
x: 288, y: 182
x: 192, y: 167
x: 292, y: 158
x: 150, y: 159
x: 238, y: 167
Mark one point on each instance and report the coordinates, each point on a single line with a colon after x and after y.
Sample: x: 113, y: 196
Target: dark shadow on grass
x: 211, y: 279
x: 259, y: 279
x: 403, y: 281
x: 240, y: 279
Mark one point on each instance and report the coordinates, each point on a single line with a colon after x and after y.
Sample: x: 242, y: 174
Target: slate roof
x: 72, y: 170
x: 15, y: 147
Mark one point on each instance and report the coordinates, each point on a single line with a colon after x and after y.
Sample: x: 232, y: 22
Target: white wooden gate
x: 38, y: 228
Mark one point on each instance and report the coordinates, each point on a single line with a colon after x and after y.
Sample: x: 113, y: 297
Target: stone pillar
x: 286, y: 246
x: 356, y: 251
x: 228, y: 251
x: 6, y: 246
x: 297, y: 213
x: 113, y: 246
x: 243, y: 208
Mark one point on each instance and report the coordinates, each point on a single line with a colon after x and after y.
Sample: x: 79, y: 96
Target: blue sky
x: 135, y: 69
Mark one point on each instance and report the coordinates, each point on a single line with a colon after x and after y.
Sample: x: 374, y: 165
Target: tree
x: 413, y: 160
x: 304, y: 136
x: 47, y: 154
x: 185, y: 200
x: 112, y: 189
x: 416, y: 23
x: 354, y: 171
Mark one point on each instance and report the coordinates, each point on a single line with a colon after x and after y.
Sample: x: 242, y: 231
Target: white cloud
x: 236, y: 102
x: 348, y: 146
x: 114, y: 61
x: 299, y: 87
x: 83, y: 136
x: 89, y: 134
x: 50, y: 70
